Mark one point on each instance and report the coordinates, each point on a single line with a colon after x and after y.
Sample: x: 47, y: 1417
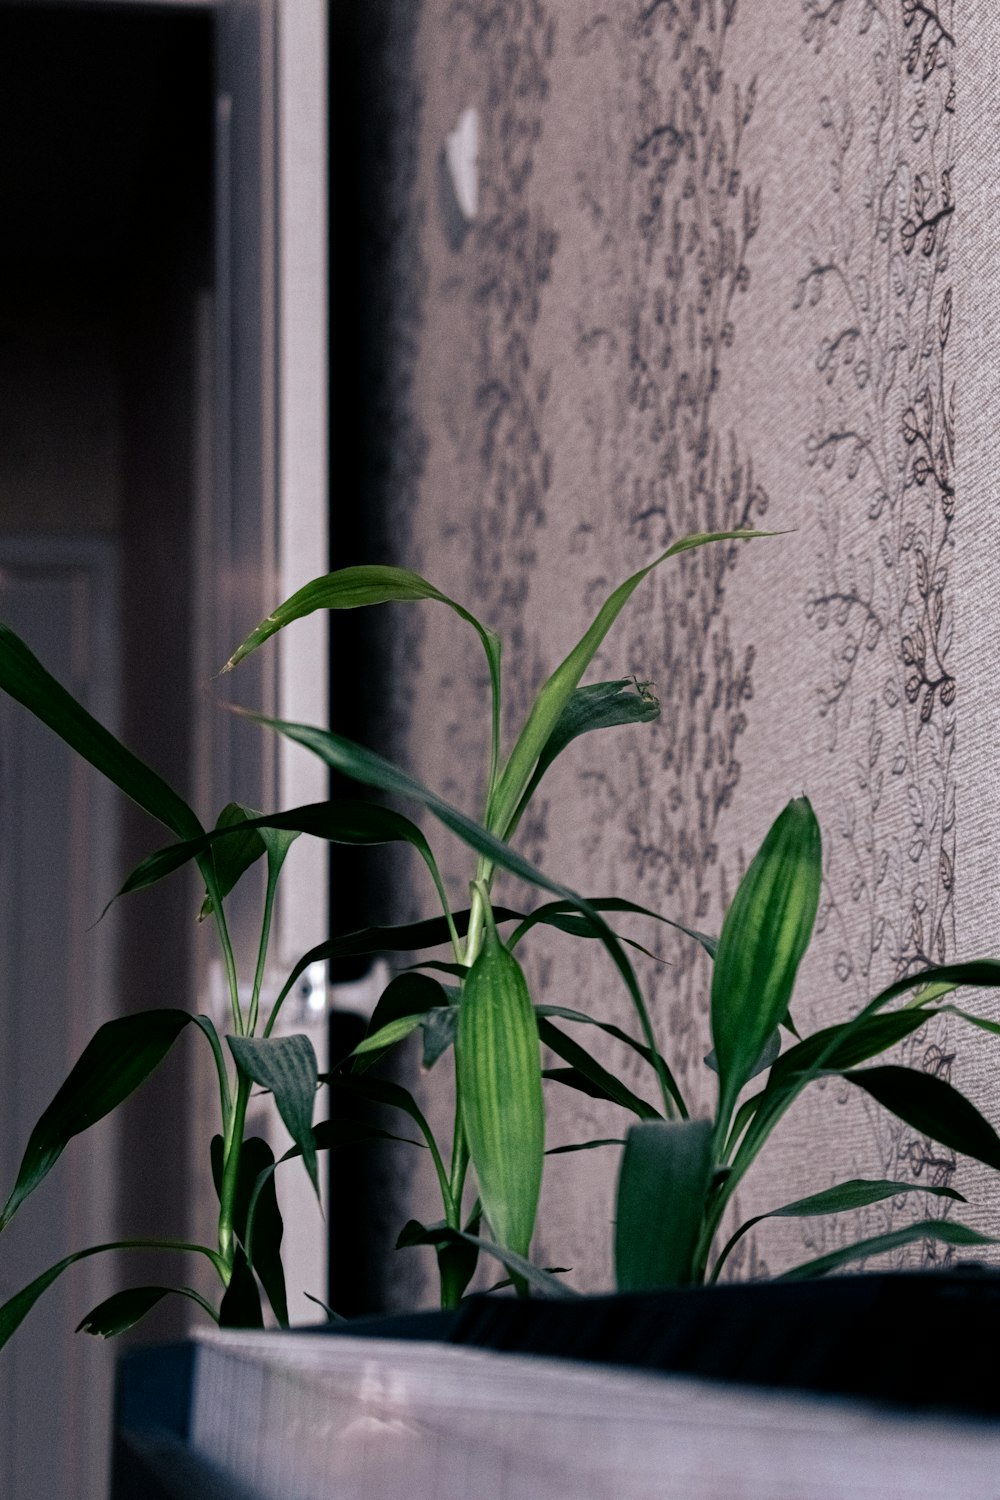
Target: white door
x: 57, y: 852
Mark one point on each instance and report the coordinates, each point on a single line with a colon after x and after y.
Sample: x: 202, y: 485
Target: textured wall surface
x: 731, y: 264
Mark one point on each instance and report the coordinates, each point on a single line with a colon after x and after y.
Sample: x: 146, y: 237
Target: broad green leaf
x: 498, y: 1073
x: 764, y: 935
x: 123, y: 1310
x: 231, y: 856
x: 24, y: 678
x: 591, y: 1078
x: 663, y: 1182
x: 16, y: 1309
x: 599, y: 705
x: 541, y: 1281
x: 118, y: 1058
x: 565, y: 916
x: 843, y: 1198
x: 932, y: 1107
x: 240, y: 1305
x: 944, y: 1230
x: 439, y: 1033
x: 372, y: 770
x: 768, y: 1056
x: 255, y: 1187
x: 286, y: 1065
x: 554, y: 695
x: 457, y: 1256
x: 402, y: 1007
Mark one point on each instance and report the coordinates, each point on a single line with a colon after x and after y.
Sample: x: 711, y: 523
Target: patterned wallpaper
x: 712, y: 279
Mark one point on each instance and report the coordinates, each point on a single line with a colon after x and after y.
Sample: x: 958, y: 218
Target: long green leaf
x: 764, y: 936
x: 118, y: 1058
x: 16, y: 1309
x: 123, y: 1310
x: 287, y: 1066
x: 663, y: 1181
x: 554, y: 695
x: 845, y: 1197
x: 402, y: 1007
x: 439, y: 1234
x: 372, y: 770
x: 845, y: 1045
x: 602, y: 1083
x: 384, y: 1091
x: 944, y: 1230
x: 24, y: 678
x: 932, y: 1107
x: 498, y: 1073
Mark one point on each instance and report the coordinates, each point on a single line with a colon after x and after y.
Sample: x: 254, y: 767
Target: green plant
x: 474, y: 1006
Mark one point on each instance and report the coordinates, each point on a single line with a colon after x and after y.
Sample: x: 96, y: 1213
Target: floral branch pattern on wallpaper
x: 881, y: 450
x: 674, y: 227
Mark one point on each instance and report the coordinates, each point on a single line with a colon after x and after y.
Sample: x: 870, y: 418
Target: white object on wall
x: 461, y: 154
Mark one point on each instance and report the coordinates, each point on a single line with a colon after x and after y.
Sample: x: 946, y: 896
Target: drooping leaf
x: 240, y: 1305
x: 563, y: 915
x: 409, y: 937
x: 118, y: 1058
x: 372, y: 770
x: 123, y: 1310
x: 764, y: 936
x: 944, y: 1230
x: 457, y: 1255
x: 354, y: 588
x: 932, y: 1107
x: 554, y: 694
x: 24, y: 678
x: 600, y: 1083
x: 384, y: 1091
x: 499, y: 1077
x: 16, y: 1308
x: 663, y: 1182
x: 286, y: 1065
x: 534, y: 1276
x: 585, y: 1146
x: 846, y: 1196
x: 343, y: 820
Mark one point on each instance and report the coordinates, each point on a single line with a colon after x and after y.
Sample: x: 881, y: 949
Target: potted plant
x: 677, y: 1174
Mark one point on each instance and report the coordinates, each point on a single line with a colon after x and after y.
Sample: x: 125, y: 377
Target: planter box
x: 701, y: 1395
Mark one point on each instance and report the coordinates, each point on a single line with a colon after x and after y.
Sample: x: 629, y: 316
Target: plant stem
x: 233, y: 1149
x: 265, y: 934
